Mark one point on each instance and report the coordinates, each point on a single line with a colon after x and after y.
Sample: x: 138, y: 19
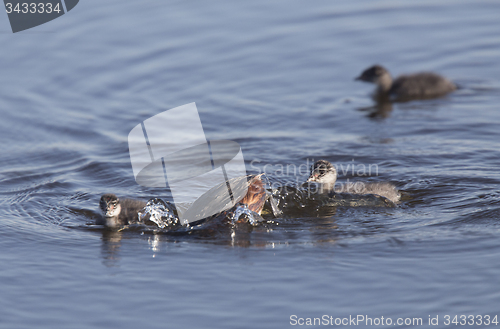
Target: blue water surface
x: 278, y: 78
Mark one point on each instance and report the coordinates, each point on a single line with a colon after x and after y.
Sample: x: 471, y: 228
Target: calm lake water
x: 277, y: 77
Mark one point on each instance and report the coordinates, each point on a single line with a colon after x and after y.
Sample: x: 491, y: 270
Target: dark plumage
x: 415, y: 86
x: 116, y: 212
x: 320, y: 168
x: 324, y: 173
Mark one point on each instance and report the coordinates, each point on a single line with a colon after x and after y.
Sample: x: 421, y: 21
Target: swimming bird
x: 405, y: 87
x: 324, y: 173
x: 116, y: 212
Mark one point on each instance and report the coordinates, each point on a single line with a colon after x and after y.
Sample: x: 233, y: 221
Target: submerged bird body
x: 324, y: 173
x: 387, y: 190
x: 415, y: 86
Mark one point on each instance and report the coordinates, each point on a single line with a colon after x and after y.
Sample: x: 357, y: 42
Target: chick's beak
x: 109, y: 210
x: 358, y: 78
x: 312, y: 178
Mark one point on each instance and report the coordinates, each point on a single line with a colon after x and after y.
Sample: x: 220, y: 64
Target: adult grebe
x: 324, y: 173
x: 254, y: 201
x: 415, y: 86
x: 256, y: 195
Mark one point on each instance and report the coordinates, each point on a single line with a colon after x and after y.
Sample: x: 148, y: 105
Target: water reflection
x: 319, y: 228
x: 381, y: 109
x: 383, y: 104
x: 110, y: 248
x: 154, y: 243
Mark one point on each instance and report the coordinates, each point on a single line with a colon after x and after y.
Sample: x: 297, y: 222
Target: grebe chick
x: 414, y: 86
x: 324, y: 173
x: 117, y: 213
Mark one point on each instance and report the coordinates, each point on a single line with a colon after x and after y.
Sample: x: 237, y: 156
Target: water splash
x: 289, y: 200
x: 242, y: 212
x: 162, y: 213
x: 272, y: 194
